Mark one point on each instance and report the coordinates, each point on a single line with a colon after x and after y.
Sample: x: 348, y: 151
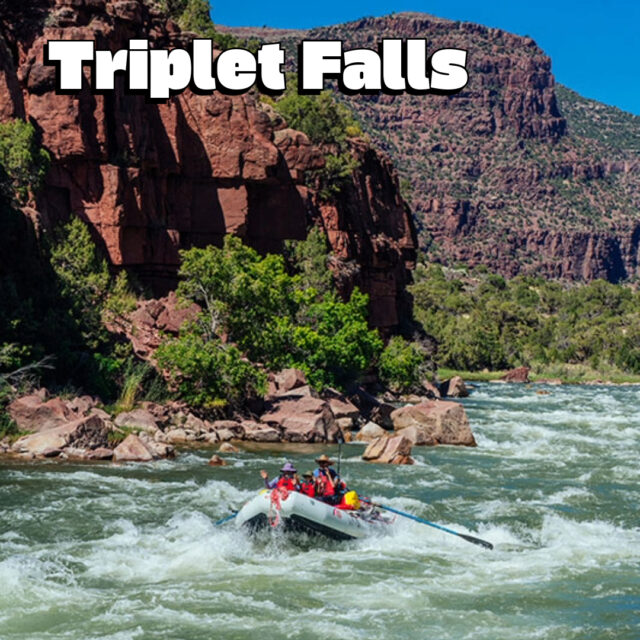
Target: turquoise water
x: 132, y: 551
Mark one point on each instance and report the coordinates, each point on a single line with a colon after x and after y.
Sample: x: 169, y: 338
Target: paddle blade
x: 482, y: 543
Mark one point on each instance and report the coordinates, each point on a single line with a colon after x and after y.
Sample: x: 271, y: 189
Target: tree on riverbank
x: 269, y: 315
x: 483, y: 321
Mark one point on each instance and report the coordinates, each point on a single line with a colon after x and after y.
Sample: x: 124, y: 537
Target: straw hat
x: 324, y: 458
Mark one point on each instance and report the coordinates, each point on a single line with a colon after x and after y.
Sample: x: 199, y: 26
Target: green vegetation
x: 253, y: 307
x: 321, y: 117
x: 23, y: 161
x: 309, y: 258
x: 482, y: 321
x: 327, y: 123
x: 601, y: 122
x: 195, y: 16
x: 401, y: 366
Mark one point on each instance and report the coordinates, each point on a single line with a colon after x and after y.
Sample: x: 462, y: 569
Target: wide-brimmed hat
x: 288, y: 467
x: 324, y: 458
x: 308, y: 474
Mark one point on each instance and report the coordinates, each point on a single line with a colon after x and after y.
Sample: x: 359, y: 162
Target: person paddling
x: 327, y: 480
x: 288, y: 478
x: 308, y: 486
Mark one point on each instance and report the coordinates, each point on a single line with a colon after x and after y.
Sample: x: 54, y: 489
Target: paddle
x: 231, y: 517
x: 464, y: 536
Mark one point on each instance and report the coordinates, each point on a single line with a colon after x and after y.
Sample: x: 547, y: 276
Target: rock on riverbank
x: 79, y: 428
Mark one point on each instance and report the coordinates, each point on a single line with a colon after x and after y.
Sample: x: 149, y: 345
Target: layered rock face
x: 496, y: 174
x: 153, y: 178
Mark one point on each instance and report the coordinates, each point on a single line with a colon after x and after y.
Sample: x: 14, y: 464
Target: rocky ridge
x: 505, y: 173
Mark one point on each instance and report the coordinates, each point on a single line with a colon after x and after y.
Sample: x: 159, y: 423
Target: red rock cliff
x: 496, y: 174
x: 154, y: 178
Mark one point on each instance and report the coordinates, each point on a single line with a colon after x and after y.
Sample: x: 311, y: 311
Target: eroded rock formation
x: 152, y: 178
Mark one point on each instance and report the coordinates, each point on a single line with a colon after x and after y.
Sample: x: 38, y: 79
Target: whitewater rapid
x: 132, y: 551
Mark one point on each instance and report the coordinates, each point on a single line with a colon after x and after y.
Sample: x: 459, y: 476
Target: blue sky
x: 594, y: 45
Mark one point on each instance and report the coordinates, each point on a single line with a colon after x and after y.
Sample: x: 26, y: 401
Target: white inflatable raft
x: 296, y: 511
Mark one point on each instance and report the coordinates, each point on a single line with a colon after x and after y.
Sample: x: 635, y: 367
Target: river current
x: 133, y: 551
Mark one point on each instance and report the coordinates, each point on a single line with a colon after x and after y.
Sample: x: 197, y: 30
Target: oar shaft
x: 404, y: 514
x: 227, y: 518
x: 417, y: 519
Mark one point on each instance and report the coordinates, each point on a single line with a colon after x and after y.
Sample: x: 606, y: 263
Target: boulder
x: 217, y: 461
x: 227, y: 447
x: 86, y: 432
x: 438, y: 422
x: 297, y: 392
x: 289, y: 379
x: 519, y: 375
x: 100, y: 413
x: 343, y: 408
x: 160, y: 412
x: 381, y: 414
x: 32, y: 413
x: 178, y: 436
x: 431, y: 390
x: 344, y: 424
x: 411, y: 398
x: 454, y: 388
x: 196, y: 425
x: 389, y: 450
x: 101, y: 453
x: 82, y: 405
x: 371, y: 431
x: 224, y: 435
x: 139, y: 419
x: 228, y: 429
x: 132, y: 449
x: 159, y: 449
x: 304, y: 419
x: 210, y: 438
x: 258, y: 432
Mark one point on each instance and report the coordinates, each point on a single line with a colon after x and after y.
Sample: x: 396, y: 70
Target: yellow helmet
x: 351, y: 498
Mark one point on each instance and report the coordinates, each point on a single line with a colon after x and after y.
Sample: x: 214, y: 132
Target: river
x: 132, y: 551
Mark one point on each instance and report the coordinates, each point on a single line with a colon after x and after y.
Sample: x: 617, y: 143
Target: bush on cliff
x: 21, y: 158
x: 328, y: 123
x: 195, y: 16
x: 271, y: 316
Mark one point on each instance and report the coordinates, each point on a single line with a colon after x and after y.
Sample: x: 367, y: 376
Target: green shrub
x: 484, y: 321
x: 24, y: 162
x: 320, y: 116
x: 400, y: 365
x: 209, y: 374
x: 309, y: 258
x: 83, y: 278
x: 331, y: 341
x: 273, y: 317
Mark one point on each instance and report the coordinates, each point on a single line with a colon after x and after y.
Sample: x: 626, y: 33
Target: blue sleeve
x: 316, y: 473
x: 271, y: 484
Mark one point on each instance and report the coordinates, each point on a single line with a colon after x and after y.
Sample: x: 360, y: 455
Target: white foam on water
x: 547, y: 486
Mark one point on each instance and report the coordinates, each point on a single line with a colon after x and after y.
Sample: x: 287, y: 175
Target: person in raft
x: 288, y: 478
x: 328, y: 483
x: 308, y: 486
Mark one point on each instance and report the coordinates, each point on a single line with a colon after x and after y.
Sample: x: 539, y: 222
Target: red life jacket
x: 308, y: 488
x: 325, y: 487
x: 286, y: 483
